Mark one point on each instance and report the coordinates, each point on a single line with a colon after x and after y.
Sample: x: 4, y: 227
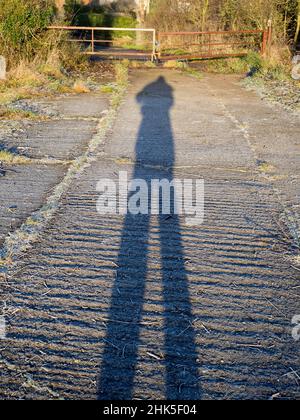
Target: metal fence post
x: 154, y: 45
x: 93, y: 40
x: 158, y: 46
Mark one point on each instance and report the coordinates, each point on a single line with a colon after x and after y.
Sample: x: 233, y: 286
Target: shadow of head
x: 155, y: 143
x: 158, y: 94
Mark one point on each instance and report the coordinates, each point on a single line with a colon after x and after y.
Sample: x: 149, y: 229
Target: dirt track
x: 148, y: 307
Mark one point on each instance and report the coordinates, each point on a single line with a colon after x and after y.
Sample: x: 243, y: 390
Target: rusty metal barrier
x: 169, y: 45
x: 214, y: 44
x: 108, y: 46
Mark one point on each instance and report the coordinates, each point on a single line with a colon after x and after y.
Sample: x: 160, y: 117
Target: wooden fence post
x: 267, y: 39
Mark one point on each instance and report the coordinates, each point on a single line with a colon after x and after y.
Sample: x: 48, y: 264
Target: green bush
x: 72, y: 9
x: 227, y: 65
x: 255, y: 62
x: 90, y: 19
x: 124, y: 22
x: 21, y: 25
x: 276, y: 65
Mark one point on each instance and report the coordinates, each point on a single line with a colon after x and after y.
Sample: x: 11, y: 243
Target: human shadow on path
x: 154, y: 147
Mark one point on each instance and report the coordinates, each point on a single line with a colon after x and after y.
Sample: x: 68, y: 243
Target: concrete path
x: 145, y: 307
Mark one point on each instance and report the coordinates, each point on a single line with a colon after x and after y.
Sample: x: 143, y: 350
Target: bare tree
x: 142, y: 10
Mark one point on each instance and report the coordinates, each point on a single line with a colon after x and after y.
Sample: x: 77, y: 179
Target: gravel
x: 283, y: 92
x: 33, y: 107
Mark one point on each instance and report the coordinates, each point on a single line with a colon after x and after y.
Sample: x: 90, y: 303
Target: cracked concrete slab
x: 77, y: 106
x: 58, y: 139
x: 23, y: 190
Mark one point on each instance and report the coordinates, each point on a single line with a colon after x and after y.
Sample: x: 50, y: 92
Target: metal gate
x: 218, y: 44
x: 134, y: 43
x: 113, y: 42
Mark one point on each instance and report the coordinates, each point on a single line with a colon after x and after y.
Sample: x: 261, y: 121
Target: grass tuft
x: 80, y: 87
x: 109, y: 88
x: 11, y: 158
x: 7, y: 113
x: 134, y: 64
x: 174, y: 64
x: 121, y: 70
x: 266, y: 167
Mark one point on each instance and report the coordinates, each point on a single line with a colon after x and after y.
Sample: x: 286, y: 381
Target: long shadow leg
x: 180, y: 348
x: 122, y: 339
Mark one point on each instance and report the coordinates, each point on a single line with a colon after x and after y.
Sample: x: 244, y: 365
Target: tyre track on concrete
x: 64, y: 326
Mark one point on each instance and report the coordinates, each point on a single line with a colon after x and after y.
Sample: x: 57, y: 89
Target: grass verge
x: 37, y: 79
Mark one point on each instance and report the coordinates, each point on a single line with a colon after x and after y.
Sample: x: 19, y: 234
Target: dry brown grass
x: 277, y: 64
x: 173, y: 64
x: 24, y: 74
x: 52, y: 66
x: 21, y: 83
x: 141, y: 64
x: 80, y: 87
x: 280, y: 54
x: 29, y: 80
